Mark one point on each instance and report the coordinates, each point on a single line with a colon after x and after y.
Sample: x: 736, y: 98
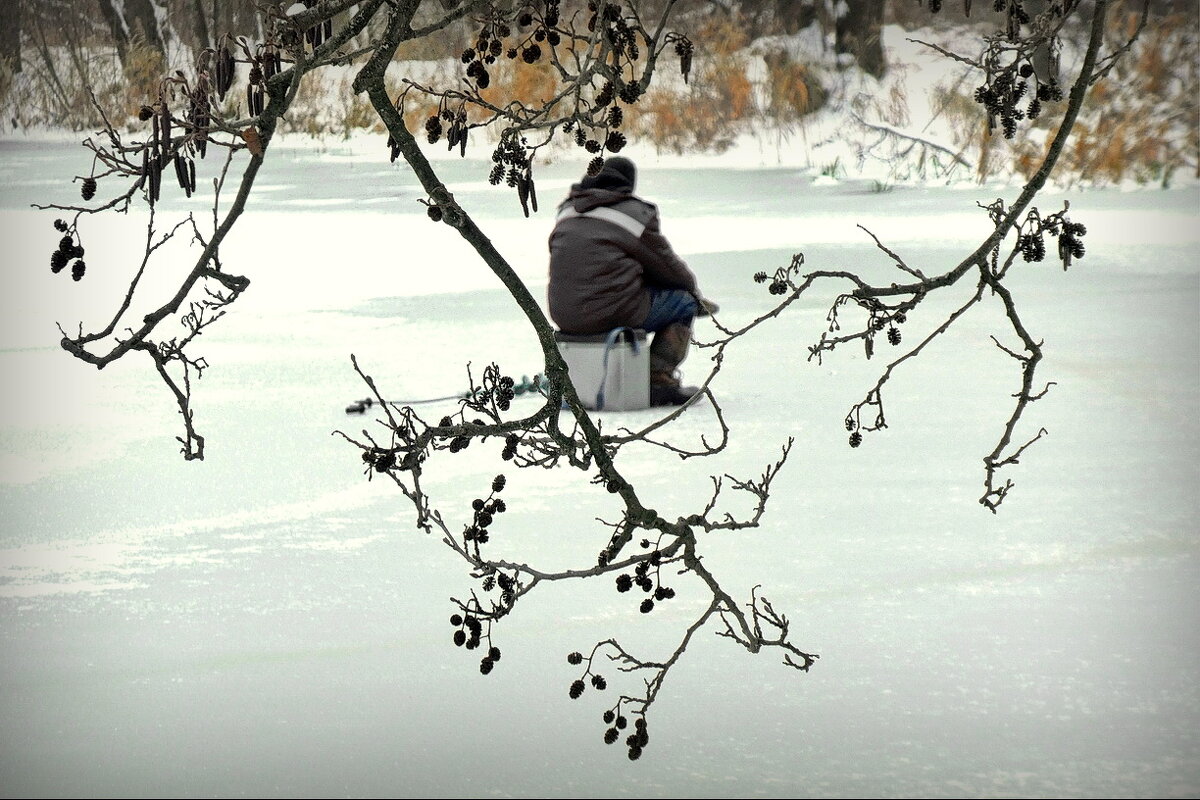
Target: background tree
x: 857, y: 34
x: 131, y: 20
x: 597, y: 59
x: 10, y: 38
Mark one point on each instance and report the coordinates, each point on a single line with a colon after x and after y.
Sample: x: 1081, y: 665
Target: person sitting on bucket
x: 611, y: 266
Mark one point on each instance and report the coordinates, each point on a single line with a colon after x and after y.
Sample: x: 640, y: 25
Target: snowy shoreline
x: 834, y: 143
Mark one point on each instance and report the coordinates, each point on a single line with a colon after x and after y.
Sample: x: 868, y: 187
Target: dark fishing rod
x: 525, y: 386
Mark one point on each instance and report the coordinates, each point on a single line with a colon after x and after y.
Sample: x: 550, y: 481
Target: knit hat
x: 624, y: 167
x: 618, y: 174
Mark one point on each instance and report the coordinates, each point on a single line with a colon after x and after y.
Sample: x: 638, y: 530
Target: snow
x: 268, y: 622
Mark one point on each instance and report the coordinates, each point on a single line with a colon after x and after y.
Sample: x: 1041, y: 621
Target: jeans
x: 668, y: 306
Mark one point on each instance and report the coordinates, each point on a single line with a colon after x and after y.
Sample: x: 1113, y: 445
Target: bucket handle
x: 609, y: 344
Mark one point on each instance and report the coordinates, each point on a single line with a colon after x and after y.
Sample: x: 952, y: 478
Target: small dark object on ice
x: 360, y: 406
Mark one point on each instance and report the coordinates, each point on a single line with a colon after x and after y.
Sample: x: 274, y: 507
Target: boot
x: 667, y: 390
x: 667, y: 352
x: 670, y: 348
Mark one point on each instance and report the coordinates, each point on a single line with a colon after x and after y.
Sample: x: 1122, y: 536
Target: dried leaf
x: 253, y: 141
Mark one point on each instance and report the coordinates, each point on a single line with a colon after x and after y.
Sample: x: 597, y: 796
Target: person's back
x: 610, y: 266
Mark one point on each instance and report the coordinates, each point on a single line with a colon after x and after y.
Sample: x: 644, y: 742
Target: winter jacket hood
x: 585, y: 199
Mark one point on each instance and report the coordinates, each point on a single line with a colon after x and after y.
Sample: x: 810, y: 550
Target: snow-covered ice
x: 267, y: 622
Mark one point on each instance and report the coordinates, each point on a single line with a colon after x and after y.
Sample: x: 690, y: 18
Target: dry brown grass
x: 516, y: 81
x: 700, y: 115
x: 140, y: 77
x: 793, y: 89
x: 1142, y: 121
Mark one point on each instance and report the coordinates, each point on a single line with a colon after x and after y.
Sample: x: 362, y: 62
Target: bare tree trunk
x: 10, y: 36
x: 116, y: 26
x: 794, y: 16
x: 857, y: 33
x: 56, y: 85
x: 128, y: 19
x: 764, y: 17
x: 203, y: 39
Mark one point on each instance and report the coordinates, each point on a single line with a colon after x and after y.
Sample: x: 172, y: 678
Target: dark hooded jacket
x: 606, y: 252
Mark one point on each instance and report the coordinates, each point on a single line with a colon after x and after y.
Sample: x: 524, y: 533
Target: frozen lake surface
x: 268, y: 622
